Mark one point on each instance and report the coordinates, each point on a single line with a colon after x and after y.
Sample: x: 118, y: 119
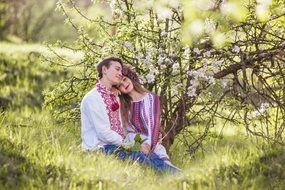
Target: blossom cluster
x: 261, y: 110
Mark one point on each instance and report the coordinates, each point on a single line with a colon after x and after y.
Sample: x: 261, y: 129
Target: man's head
x: 111, y: 69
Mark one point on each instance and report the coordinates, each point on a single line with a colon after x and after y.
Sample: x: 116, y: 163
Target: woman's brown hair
x: 125, y: 99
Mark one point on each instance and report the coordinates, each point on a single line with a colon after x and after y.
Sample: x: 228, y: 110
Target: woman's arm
x: 154, y: 119
x: 96, y: 123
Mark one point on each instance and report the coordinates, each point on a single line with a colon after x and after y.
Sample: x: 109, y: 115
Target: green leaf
x: 136, y: 147
x: 138, y: 139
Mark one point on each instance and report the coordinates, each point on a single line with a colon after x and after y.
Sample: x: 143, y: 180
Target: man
x: 100, y: 114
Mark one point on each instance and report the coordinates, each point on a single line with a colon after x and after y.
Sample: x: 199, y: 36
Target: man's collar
x: 103, y: 88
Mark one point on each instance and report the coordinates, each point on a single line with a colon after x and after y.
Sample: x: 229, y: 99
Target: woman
x: 140, y: 110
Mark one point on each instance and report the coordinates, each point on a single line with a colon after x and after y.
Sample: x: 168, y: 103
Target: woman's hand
x: 115, y: 91
x: 160, y: 138
x: 145, y: 148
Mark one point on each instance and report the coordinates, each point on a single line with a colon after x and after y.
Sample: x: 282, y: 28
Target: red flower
x: 115, y: 106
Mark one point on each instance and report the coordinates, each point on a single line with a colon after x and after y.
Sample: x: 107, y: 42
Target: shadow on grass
x: 17, y: 172
x: 266, y: 172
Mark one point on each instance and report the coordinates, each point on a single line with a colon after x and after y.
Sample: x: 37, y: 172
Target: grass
x: 37, y: 153
x: 54, y: 151
x: 11, y: 49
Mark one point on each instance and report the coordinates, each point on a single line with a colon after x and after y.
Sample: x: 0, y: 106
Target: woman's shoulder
x: 152, y: 95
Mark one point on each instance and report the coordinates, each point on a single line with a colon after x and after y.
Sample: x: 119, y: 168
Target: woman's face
x: 126, y: 85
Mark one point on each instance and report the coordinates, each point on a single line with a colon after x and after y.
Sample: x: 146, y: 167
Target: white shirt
x: 95, y: 125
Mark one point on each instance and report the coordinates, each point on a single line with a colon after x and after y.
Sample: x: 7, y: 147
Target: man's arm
x: 97, y: 124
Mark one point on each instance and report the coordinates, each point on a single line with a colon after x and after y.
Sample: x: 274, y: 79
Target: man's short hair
x: 106, y: 62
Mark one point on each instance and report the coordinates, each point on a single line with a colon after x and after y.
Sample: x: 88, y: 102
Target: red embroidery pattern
x: 112, y: 108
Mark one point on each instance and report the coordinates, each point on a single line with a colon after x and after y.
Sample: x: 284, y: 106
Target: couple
x: 109, y: 121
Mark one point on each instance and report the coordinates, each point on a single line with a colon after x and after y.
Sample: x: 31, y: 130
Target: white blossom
x: 194, y: 83
x: 267, y: 27
x: 142, y: 80
x: 271, y: 17
x: 147, y: 59
x: 201, y: 73
x: 236, y: 49
x: 189, y: 72
x: 138, y: 56
x: 216, y: 66
x: 264, y: 2
x: 264, y: 106
x: 227, y: 7
x: 261, y: 110
x: 163, y: 33
x: 187, y: 51
x: 211, y: 80
x: 192, y: 73
x: 179, y: 85
x: 279, y: 31
x: 204, y: 5
x: 207, y: 54
x: 163, y: 13
x: 160, y: 50
x: 255, y: 113
x: 224, y: 83
x: 197, y: 51
x: 174, y: 3
x: 160, y: 61
x: 210, y: 26
x: 175, y: 66
x: 128, y: 45
x: 196, y: 27
x: 167, y: 60
x: 150, y: 77
x: 180, y: 9
x: 217, y: 63
x: 117, y: 12
x: 192, y: 92
x: 174, y: 92
x: 196, y: 74
x: 112, y: 4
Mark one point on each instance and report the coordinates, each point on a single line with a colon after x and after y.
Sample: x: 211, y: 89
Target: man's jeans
x: 151, y: 160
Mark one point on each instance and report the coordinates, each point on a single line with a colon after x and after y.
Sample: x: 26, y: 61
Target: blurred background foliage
x: 33, y: 21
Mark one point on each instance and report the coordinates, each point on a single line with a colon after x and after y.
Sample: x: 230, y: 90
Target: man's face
x: 113, y: 73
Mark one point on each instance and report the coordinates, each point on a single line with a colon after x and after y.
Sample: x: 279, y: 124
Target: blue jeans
x: 151, y: 160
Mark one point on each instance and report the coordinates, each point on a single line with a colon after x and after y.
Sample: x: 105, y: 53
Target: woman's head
x: 129, y: 84
x: 126, y: 85
x: 130, y: 81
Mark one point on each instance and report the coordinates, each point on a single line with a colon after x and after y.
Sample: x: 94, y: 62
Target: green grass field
x: 36, y: 152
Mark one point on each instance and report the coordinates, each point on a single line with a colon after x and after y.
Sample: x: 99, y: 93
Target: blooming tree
x: 208, y: 60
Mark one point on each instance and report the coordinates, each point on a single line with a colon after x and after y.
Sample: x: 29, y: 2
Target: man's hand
x: 145, y: 148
